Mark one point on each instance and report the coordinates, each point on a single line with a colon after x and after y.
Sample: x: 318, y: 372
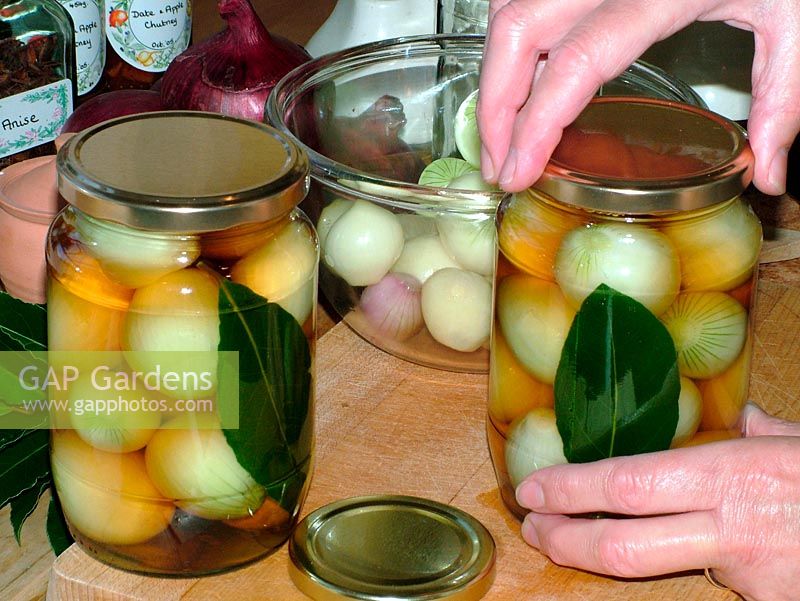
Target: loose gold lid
x: 642, y: 156
x: 391, y: 547
x: 182, y: 171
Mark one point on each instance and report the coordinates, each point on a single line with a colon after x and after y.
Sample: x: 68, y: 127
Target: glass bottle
x: 186, y: 282
x: 90, y: 42
x: 355, y: 22
x: 143, y: 36
x: 625, y: 281
x: 37, y: 77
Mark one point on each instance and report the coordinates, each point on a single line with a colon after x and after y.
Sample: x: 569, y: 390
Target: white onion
x: 177, y: 313
x: 77, y: 324
x: 283, y: 270
x: 392, y: 306
x: 718, y: 250
x: 134, y: 258
x: 107, y: 497
x: 120, y: 428
x: 416, y: 225
x: 535, y: 319
x: 422, y: 257
x: 472, y: 181
x: 633, y: 259
x: 690, y: 410
x: 471, y: 241
x: 457, y: 307
x: 709, y: 331
x: 533, y: 443
x: 332, y: 211
x: 363, y: 244
x: 190, y: 461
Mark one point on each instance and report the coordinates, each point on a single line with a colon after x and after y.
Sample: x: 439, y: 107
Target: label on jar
x: 90, y: 43
x: 34, y: 117
x: 148, y: 34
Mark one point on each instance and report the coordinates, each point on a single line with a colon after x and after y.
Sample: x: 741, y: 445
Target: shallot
x: 393, y: 306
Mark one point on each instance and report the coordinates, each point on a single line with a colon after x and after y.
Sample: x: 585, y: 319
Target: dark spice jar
x: 37, y: 77
x: 624, y: 288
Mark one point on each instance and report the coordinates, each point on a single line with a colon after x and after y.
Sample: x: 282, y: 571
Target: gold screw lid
x: 640, y: 156
x: 182, y: 171
x: 391, y: 547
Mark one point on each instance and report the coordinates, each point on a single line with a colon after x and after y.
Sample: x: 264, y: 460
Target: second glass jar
x: 623, y: 293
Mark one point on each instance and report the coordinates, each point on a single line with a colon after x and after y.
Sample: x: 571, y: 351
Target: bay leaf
x: 617, y: 383
x: 57, y: 531
x: 24, y: 505
x: 274, y: 434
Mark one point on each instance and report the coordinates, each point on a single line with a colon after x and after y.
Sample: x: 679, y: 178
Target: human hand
x: 733, y: 506
x: 525, y: 103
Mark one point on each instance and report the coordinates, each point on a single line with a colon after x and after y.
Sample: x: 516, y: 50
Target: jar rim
x: 188, y: 171
x: 690, y: 158
x: 393, y: 192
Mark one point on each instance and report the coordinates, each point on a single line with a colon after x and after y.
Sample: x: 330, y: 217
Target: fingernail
x: 777, y: 171
x: 509, y: 168
x: 487, y: 167
x: 529, y: 533
x: 530, y: 495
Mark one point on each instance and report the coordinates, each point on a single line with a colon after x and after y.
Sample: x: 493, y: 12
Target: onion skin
x: 233, y: 71
x: 110, y: 105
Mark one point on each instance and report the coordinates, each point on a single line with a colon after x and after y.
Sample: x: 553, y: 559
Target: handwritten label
x: 90, y: 47
x: 148, y: 34
x: 34, y: 117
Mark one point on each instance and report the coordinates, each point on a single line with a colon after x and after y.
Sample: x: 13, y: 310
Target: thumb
x: 755, y: 422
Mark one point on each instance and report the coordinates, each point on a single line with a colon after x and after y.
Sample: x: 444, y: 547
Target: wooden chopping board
x: 387, y: 426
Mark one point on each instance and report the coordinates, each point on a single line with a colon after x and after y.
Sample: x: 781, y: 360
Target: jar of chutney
x: 181, y: 298
x: 625, y: 282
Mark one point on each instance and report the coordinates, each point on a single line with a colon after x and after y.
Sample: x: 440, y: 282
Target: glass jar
x: 90, y: 42
x: 144, y: 36
x: 625, y: 282
x: 371, y: 119
x: 181, y: 296
x: 37, y: 59
x: 463, y: 16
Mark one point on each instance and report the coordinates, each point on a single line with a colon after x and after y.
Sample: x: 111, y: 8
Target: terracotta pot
x: 29, y: 200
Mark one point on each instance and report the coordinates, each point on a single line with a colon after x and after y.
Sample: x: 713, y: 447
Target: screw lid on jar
x: 391, y: 547
x: 643, y: 156
x: 182, y: 171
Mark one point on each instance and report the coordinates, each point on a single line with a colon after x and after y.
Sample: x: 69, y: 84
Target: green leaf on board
x: 23, y: 464
x: 24, y: 505
x: 617, y: 383
x: 24, y: 454
x: 273, y: 438
x: 23, y: 326
x: 57, y: 530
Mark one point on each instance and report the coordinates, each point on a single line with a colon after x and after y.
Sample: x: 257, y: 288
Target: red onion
x: 233, y: 71
x: 112, y: 104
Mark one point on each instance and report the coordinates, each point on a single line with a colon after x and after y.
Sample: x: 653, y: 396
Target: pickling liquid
x: 187, y: 507
x: 535, y: 306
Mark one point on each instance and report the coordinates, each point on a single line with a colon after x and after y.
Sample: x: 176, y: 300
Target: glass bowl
x: 371, y: 118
